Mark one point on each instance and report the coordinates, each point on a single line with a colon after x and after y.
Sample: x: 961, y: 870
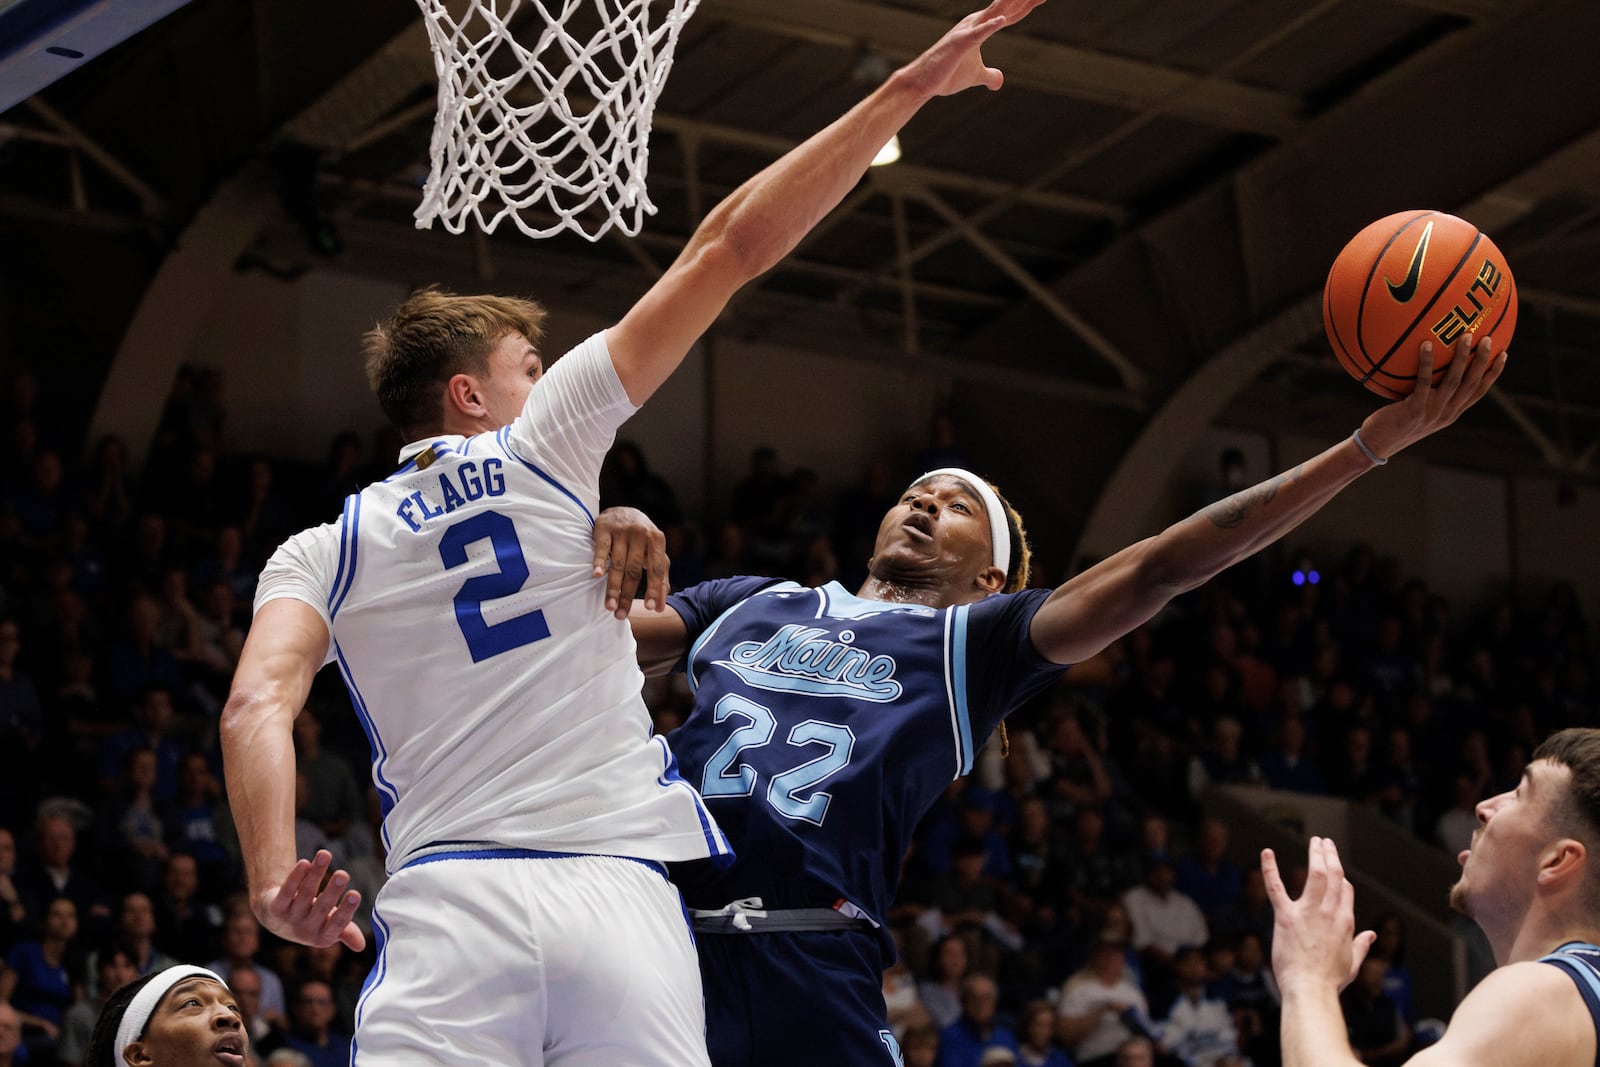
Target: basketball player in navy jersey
x: 527, y: 810
x: 826, y: 723
x: 1528, y: 880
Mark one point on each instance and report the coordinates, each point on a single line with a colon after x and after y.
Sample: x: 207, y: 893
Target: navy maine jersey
x: 825, y: 726
x: 1581, y: 961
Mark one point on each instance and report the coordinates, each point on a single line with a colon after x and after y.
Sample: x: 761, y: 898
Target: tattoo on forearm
x: 1232, y: 512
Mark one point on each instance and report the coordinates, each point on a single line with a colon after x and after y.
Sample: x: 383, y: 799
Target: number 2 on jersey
x: 725, y: 776
x: 490, y: 639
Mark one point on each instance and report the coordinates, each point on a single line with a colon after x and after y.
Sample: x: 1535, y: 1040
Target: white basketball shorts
x: 506, y: 956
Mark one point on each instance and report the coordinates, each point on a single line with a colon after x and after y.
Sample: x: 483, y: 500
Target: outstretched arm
x: 762, y: 221
x: 1315, y: 953
x: 1113, y: 597
x: 286, y: 646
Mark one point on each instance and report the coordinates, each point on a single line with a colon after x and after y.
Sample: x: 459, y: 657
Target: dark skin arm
x: 1125, y: 590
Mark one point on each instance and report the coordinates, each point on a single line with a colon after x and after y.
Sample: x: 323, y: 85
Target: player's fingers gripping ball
x: 1411, y: 277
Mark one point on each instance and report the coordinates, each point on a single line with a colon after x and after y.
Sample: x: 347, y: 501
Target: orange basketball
x: 1411, y: 277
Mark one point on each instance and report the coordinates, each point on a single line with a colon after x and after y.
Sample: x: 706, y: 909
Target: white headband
x: 999, y: 533
x: 144, y: 1002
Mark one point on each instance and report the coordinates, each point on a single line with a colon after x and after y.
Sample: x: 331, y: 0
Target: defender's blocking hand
x: 628, y: 546
x: 1313, y: 938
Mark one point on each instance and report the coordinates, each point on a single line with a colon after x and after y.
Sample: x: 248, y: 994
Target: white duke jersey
x: 500, y: 698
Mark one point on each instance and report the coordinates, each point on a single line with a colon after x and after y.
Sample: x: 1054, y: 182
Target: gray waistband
x: 792, y: 920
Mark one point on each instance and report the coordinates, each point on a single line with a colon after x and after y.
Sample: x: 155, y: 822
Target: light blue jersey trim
x: 388, y: 795
x: 839, y: 603
x: 505, y: 443
x: 956, y: 665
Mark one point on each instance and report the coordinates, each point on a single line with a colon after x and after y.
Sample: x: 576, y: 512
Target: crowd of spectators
x: 1067, y: 903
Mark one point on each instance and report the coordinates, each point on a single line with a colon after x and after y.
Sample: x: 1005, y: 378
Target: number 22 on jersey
x: 727, y: 776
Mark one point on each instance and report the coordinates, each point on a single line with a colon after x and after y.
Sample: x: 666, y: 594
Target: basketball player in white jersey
x: 527, y: 809
x: 1528, y: 880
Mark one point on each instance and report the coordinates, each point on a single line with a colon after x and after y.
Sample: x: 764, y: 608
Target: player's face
x: 196, y: 1023
x: 1499, y: 871
x: 514, y: 365
x: 939, y: 531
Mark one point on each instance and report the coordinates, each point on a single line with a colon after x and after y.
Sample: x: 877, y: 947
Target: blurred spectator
x: 1455, y: 827
x: 1378, y: 1035
x: 22, y: 726
x: 56, y: 870
x: 265, y: 1036
x: 756, y: 495
x: 187, y: 928
x: 241, y: 940
x: 1399, y: 784
x: 941, y: 989
x: 627, y: 481
x: 1286, y: 765
x: 134, y: 826
x: 1097, y: 1006
x: 138, y: 662
x: 154, y: 720
x: 1199, y: 1028
x: 339, y: 478
x: 333, y: 802
x: 263, y: 516
x: 1135, y: 1052
x: 10, y: 1037
x: 227, y: 565
x: 201, y: 824
x: 42, y: 503
x: 1252, y: 996
x: 1036, y: 1030
x: 1222, y: 761
x: 1354, y: 774
x: 1164, y: 918
x: 901, y: 1002
x: 312, y: 1032
x: 1207, y: 877
x: 963, y: 1042
x: 1390, y: 947
x: 1097, y: 873
x: 36, y: 980
x: 941, y: 449
x: 1252, y: 914
x: 114, y: 969
x: 920, y: 1046
x: 13, y: 910
x: 107, y: 489
x: 136, y: 934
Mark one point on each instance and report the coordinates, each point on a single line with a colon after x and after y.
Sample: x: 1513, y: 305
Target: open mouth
x: 230, y: 1050
x: 918, y: 524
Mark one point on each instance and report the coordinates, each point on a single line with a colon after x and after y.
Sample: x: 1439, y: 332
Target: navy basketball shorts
x: 795, y: 999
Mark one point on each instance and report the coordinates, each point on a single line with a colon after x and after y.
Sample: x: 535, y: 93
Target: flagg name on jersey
x: 457, y: 488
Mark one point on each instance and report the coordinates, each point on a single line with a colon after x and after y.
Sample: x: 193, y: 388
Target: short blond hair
x: 433, y: 336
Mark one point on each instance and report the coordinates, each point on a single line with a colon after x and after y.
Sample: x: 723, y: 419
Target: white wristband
x: 1355, y: 436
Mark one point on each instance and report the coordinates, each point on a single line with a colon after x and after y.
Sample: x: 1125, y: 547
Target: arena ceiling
x: 1142, y: 218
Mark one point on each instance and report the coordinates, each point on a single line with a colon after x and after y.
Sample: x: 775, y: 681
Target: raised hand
x: 1313, y: 938
x: 627, y: 545
x: 304, y: 910
x: 1428, y: 409
x: 955, y: 63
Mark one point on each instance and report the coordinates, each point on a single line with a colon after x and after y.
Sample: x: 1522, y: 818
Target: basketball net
x: 559, y: 127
